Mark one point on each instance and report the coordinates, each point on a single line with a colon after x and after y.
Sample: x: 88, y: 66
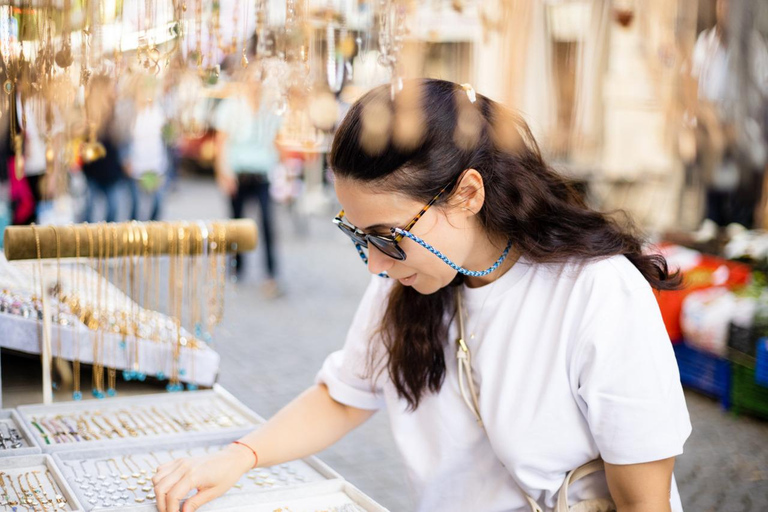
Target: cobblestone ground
x: 272, y: 349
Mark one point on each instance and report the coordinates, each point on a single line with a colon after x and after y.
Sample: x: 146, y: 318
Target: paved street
x: 271, y: 350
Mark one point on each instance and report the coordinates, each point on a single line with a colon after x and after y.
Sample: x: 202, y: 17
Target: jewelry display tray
x: 312, y: 469
x: 8, y: 464
x: 331, y: 496
x: 27, y: 412
x: 31, y: 448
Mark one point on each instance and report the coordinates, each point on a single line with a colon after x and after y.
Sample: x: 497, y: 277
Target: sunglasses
x: 387, y: 244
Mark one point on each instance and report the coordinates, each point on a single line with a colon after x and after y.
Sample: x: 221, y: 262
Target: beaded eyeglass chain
x: 443, y: 257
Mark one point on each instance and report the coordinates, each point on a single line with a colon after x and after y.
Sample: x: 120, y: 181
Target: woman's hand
x: 227, y: 183
x: 211, y: 475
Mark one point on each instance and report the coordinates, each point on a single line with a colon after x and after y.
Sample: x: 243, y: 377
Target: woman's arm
x: 225, y: 178
x: 309, y: 424
x: 641, y: 487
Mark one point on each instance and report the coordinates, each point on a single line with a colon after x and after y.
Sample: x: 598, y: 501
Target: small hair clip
x: 470, y: 92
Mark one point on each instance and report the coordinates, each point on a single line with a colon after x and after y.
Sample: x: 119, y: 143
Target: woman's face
x: 448, y: 229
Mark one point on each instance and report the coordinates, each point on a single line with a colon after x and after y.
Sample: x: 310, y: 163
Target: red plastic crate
x: 702, y: 276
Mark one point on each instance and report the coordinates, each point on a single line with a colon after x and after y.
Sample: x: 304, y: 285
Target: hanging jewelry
x: 57, y: 293
x: 134, y: 303
x: 391, y: 38
x: 112, y: 371
x: 60, y: 499
x: 77, y: 308
x: 98, y: 369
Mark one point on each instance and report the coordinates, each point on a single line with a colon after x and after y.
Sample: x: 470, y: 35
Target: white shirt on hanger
x: 572, y: 362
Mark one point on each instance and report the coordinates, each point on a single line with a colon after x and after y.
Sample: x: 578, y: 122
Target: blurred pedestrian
x: 146, y: 155
x: 246, y: 128
x: 102, y: 167
x: 721, y: 58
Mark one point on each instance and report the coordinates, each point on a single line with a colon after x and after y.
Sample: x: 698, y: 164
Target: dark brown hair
x: 525, y: 201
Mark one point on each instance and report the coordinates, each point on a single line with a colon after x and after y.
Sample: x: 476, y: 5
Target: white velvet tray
x: 245, y: 419
x: 119, y: 464
x: 11, y: 418
x: 12, y: 466
x: 331, y: 496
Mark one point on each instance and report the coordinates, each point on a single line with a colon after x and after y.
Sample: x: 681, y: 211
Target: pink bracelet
x: 252, y: 450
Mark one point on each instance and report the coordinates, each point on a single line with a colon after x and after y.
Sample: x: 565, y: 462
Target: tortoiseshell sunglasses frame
x: 383, y: 243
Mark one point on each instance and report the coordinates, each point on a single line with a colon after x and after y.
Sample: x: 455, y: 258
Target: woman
x: 563, y: 359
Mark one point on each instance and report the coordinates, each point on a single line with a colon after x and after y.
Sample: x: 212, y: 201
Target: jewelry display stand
x: 115, y: 474
x: 127, y: 420
x: 50, y: 487
x: 16, y: 438
x: 122, y: 477
x: 120, y: 336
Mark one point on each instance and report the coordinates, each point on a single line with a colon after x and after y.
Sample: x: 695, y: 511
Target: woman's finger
x: 165, y: 470
x: 177, y: 493
x: 201, y: 498
x: 164, y: 486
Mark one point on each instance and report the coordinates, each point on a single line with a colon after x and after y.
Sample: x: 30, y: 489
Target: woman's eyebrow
x: 374, y: 227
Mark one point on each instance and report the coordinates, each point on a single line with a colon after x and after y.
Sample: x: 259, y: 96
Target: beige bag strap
x: 574, y: 476
x: 469, y: 396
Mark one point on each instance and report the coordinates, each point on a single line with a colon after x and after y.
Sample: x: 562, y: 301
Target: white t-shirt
x: 147, y: 151
x: 572, y: 362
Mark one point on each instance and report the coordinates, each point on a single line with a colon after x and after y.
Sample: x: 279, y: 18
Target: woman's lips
x: 407, y: 281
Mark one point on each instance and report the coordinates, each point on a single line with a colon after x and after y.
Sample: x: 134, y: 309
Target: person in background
x: 732, y: 177
x: 104, y: 176
x: 146, y: 156
x: 34, y: 150
x: 246, y: 128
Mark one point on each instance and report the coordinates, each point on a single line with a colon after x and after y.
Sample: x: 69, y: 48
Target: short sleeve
x: 346, y: 372
x: 626, y: 372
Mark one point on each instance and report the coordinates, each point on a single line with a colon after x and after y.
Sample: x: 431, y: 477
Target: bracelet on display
x: 12, y: 439
x: 133, y: 422
x: 43, y: 433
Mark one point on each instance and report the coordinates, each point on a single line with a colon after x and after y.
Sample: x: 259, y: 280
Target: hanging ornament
x: 392, y: 33
x: 323, y: 111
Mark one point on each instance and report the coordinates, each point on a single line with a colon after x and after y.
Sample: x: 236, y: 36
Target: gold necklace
x: 39, y: 490
x: 104, y: 432
x: 117, y: 471
x: 28, y: 495
x: 112, y: 372
x: 113, y: 427
x: 20, y: 499
x: 98, y: 369
x: 76, y: 393
x: 128, y: 428
x: 60, y: 499
x: 58, y: 295
x: 135, y: 233
x: 6, y: 495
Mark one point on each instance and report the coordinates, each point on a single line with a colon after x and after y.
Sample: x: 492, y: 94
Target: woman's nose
x: 378, y: 262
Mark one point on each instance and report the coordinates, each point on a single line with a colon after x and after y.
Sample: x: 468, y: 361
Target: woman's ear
x: 470, y: 192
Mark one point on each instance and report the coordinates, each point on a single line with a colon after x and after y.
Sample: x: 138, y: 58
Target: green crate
x: 746, y: 395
